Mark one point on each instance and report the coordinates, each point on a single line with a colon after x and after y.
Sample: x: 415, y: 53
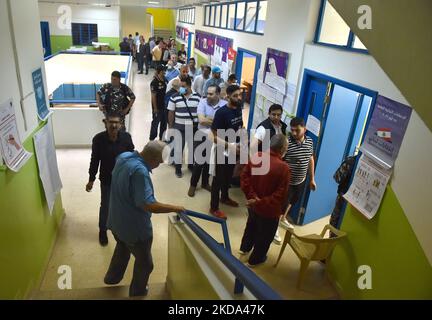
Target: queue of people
x: 195, y: 107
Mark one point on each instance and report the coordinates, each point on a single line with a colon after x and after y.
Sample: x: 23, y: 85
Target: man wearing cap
x: 214, y: 80
x: 132, y: 203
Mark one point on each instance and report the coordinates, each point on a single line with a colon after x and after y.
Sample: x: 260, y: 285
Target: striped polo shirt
x: 298, y: 158
x: 180, y: 105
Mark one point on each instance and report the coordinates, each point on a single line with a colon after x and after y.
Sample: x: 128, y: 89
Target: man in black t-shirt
x: 106, y: 146
x: 158, y: 89
x: 228, y: 117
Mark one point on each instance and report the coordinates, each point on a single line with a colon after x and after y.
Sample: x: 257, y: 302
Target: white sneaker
x: 277, y: 239
x: 285, y: 224
x: 242, y: 253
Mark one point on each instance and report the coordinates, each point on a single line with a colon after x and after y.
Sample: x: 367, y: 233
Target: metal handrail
x: 244, y: 276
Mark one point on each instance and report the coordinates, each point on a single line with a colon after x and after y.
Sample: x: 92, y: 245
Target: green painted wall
x: 201, y: 59
x: 59, y: 43
x: 27, y: 230
x: 387, y: 243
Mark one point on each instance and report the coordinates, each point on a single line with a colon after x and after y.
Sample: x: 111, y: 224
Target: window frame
x: 350, y: 41
x: 210, y: 10
x: 80, y: 27
x: 189, y: 13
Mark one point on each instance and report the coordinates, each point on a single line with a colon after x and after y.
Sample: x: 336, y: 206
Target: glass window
x: 358, y: 44
x: 231, y: 16
x: 239, y: 24
x: 224, y: 16
x: 262, y: 14
x: 207, y: 16
x: 251, y: 16
x: 193, y: 15
x: 217, y: 16
x: 333, y: 29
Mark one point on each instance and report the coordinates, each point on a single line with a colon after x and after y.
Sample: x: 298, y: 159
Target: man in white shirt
x: 200, y: 80
x: 206, y: 111
x: 184, y: 70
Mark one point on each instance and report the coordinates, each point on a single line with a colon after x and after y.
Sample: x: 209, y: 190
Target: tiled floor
x: 77, y: 244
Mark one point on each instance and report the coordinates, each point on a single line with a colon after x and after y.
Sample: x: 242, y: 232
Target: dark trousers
x: 258, y: 235
x: 147, y: 65
x: 140, y: 61
x: 104, y: 206
x: 159, y: 118
x: 178, y: 160
x: 220, y: 184
x: 203, y: 168
x: 337, y: 211
x: 142, y: 268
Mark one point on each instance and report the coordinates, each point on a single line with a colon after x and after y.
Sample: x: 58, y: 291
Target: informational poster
x: 182, y: 33
x: 277, y: 82
x: 47, y: 163
x: 276, y: 63
x: 313, y: 125
x: 12, y: 151
x: 222, y: 48
x: 205, y: 42
x: 386, y: 131
x: 41, y: 102
x: 368, y: 187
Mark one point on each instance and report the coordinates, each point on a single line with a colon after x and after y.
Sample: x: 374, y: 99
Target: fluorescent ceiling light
x: 153, y: 2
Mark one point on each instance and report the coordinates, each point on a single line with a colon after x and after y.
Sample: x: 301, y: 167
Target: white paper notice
x: 277, y: 82
x: 47, y: 163
x: 368, y: 187
x: 267, y: 92
x: 12, y: 151
x: 313, y: 125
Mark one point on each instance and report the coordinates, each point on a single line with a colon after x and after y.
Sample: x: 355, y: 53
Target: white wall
x: 107, y: 19
x: 24, y: 27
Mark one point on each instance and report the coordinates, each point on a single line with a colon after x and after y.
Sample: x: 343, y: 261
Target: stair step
x: 157, y: 291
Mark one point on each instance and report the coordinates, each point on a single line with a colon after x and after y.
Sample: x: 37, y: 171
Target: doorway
x: 340, y: 112
x: 247, y: 66
x: 46, y: 39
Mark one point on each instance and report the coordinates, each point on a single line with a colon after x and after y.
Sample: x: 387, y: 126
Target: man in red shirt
x: 265, y: 195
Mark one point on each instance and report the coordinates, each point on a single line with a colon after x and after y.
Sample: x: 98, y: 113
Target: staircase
x: 157, y: 291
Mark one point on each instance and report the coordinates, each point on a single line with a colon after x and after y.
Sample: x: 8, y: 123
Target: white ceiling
x: 161, y: 3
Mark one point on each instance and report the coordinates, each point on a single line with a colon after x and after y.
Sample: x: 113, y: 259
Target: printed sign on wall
x: 38, y: 87
x: 205, y: 42
x: 386, y: 131
x: 276, y: 62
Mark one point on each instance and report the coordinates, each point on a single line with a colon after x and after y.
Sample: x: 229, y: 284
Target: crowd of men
x: 195, y: 107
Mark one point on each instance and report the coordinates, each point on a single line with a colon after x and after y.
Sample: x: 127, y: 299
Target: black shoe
x: 103, y: 238
x: 179, y: 174
x: 140, y: 72
x: 139, y: 294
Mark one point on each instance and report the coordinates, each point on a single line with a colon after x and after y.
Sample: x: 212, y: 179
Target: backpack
x: 343, y: 174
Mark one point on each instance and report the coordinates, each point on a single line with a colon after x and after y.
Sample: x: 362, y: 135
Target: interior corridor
x: 77, y: 243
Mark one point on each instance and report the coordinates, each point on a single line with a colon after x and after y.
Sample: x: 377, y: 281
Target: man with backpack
x: 115, y: 97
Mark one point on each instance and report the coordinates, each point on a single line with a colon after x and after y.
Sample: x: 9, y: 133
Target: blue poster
x: 386, y: 131
x: 38, y: 87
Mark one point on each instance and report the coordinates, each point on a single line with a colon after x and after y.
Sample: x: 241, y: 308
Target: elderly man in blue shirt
x: 132, y: 203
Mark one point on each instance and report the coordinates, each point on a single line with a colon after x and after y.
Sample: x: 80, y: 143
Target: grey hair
x: 278, y: 142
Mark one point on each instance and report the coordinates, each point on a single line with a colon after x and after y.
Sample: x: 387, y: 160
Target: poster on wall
x: 205, y: 42
x: 276, y: 63
x: 47, y: 163
x: 386, y: 131
x: 12, y: 150
x: 220, y: 55
x: 368, y: 187
x: 38, y: 87
x: 182, y: 33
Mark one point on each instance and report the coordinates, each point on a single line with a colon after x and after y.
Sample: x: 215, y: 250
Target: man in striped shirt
x: 182, y: 116
x: 301, y: 161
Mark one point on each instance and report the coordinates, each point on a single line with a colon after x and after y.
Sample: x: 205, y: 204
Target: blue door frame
x: 46, y: 38
x: 189, y: 50
x: 238, y: 73
x: 302, y: 111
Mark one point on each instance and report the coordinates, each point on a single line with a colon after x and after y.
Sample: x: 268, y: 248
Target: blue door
x: 189, y: 46
x: 339, y: 124
x: 312, y: 104
x: 46, y: 40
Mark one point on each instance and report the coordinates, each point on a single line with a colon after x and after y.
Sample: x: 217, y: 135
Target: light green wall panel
x: 61, y: 43
x: 387, y: 243
x: 27, y: 230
